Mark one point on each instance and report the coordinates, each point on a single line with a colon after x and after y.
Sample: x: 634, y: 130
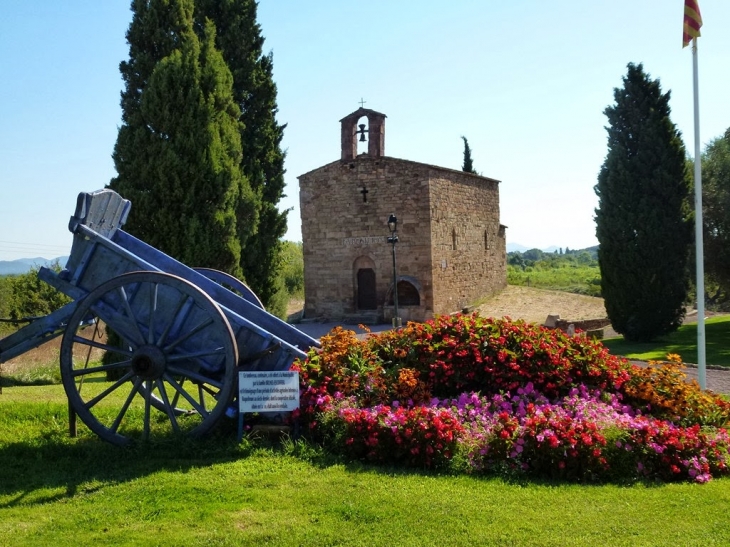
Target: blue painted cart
x: 150, y: 347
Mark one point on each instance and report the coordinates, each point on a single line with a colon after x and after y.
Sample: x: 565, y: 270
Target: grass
x: 682, y: 342
x: 55, y: 490
x: 579, y: 279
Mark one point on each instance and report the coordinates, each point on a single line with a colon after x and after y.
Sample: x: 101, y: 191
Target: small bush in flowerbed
x: 483, y: 395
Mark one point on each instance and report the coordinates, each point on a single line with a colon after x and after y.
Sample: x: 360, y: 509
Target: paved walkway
x: 718, y: 380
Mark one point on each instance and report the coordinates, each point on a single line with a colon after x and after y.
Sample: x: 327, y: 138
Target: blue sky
x: 525, y: 81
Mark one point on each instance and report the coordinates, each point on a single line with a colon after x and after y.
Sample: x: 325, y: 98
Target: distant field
x: 567, y: 277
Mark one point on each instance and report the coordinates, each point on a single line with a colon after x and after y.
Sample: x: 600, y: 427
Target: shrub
x: 31, y: 297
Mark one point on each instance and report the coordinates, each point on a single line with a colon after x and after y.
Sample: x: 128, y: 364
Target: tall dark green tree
x: 716, y: 212
x: 178, y: 151
x: 241, y: 43
x: 642, y: 219
x: 468, y: 165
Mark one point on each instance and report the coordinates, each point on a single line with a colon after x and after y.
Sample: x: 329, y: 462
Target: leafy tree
x: 31, y: 297
x: 716, y: 210
x: 642, y: 217
x: 293, y: 268
x: 468, y: 165
x: 241, y: 43
x: 178, y: 151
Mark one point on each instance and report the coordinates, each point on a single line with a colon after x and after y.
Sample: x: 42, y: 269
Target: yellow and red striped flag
x: 692, y: 21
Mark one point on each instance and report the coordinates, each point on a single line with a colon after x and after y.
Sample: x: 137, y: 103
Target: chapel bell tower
x: 352, y: 132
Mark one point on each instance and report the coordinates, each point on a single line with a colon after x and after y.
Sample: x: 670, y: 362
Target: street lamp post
x: 393, y: 239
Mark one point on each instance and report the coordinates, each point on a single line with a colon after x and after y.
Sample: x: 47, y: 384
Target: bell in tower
x: 374, y: 134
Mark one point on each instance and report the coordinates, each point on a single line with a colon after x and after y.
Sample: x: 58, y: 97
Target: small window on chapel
x: 486, y: 241
x: 453, y: 239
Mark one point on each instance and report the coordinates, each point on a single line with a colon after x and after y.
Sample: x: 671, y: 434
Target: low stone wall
x: 585, y: 325
x: 592, y: 327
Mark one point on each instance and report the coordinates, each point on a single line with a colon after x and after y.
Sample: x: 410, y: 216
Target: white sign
x: 268, y: 391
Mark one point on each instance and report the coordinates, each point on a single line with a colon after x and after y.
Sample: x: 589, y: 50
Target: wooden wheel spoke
x: 101, y: 368
x: 194, y: 376
x: 106, y: 347
x: 184, y: 298
x: 130, y: 314
x: 195, y: 404
x: 118, y: 420
x: 196, y: 355
x: 91, y: 402
x: 153, y: 314
x: 176, y: 397
x: 169, y: 409
x: 188, y: 334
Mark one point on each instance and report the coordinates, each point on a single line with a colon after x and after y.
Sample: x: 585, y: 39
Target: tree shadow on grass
x: 54, y: 467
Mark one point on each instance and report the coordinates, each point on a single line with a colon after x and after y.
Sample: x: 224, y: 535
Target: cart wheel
x: 177, y: 362
x: 232, y: 284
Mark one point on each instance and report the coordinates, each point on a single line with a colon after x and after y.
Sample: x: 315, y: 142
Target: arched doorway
x: 364, y: 278
x: 366, y: 294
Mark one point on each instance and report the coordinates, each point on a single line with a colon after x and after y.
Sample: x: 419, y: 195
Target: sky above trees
x: 525, y: 82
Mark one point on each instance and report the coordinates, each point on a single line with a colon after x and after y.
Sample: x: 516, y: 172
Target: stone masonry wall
x: 469, y: 247
x: 341, y: 232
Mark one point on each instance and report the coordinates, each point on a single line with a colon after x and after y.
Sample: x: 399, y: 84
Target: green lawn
x: 682, y: 342
x: 55, y: 490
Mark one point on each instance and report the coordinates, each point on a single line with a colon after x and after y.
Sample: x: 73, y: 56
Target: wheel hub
x: 149, y: 362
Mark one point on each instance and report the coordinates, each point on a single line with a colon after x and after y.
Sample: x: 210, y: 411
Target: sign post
x: 266, y: 391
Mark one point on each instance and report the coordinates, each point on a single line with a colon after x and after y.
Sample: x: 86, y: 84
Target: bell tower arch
x: 374, y: 134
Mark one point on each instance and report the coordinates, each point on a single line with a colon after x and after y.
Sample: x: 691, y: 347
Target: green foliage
x: 468, y: 165
x: 5, y: 297
x: 31, y: 297
x: 572, y: 271
x: 178, y: 150
x: 262, y: 162
x: 643, y: 220
x: 292, y: 268
x: 716, y: 214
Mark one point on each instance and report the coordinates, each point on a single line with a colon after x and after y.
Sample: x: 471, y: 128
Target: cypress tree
x: 468, y: 165
x: 642, y: 219
x: 241, y: 43
x: 716, y: 214
x: 178, y: 150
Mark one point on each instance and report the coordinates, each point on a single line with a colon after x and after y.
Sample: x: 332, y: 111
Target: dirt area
x: 534, y: 305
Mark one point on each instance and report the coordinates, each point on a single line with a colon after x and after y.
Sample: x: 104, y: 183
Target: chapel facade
x: 451, y: 248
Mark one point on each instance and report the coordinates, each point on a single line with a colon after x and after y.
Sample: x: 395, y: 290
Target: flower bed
x: 484, y: 395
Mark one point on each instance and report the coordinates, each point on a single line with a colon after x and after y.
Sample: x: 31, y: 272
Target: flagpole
x: 699, y: 246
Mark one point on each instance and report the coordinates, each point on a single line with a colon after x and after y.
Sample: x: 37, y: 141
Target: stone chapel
x: 451, y: 245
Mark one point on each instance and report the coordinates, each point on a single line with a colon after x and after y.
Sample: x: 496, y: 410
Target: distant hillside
x: 24, y: 265
x: 517, y: 248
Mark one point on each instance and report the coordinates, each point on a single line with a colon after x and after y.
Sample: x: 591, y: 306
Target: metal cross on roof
x: 362, y: 103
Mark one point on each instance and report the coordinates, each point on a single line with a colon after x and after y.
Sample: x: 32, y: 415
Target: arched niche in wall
x: 410, y: 292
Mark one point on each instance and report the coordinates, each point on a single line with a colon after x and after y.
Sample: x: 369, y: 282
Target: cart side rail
x: 36, y: 333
